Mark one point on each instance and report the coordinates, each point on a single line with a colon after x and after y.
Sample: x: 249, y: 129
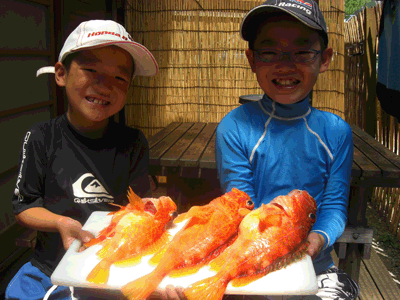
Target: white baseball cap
x: 100, y: 33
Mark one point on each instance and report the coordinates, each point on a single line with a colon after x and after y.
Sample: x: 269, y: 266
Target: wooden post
x: 370, y: 29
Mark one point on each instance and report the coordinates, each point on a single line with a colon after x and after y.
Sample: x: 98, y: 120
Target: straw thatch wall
x: 328, y: 93
x: 203, y: 68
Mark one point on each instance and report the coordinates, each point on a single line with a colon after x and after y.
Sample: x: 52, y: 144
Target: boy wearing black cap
x: 81, y: 161
x: 280, y: 143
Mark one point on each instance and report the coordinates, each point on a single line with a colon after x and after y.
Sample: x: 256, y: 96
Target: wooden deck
x: 375, y: 281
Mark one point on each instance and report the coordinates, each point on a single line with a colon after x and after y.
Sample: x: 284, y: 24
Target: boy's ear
x: 60, y: 74
x: 250, y: 58
x: 326, y: 58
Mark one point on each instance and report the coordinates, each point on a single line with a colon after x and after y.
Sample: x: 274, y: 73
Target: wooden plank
x: 388, y: 169
x: 390, y: 155
x: 162, y: 134
x: 368, y: 289
x: 191, y: 158
x: 358, y: 235
x: 369, y: 169
x: 172, y: 156
x: 377, y: 269
x: 355, y: 170
x: 207, y: 160
x: 165, y: 144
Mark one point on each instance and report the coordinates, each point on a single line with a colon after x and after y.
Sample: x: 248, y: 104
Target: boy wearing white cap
x: 280, y: 143
x: 81, y: 161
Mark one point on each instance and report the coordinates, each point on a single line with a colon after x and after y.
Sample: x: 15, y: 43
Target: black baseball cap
x: 306, y: 11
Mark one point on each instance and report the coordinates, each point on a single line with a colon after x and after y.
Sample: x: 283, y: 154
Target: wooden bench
x: 27, y: 239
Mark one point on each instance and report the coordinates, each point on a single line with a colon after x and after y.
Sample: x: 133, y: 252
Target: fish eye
x: 249, y: 203
x: 312, y: 216
x: 173, y: 215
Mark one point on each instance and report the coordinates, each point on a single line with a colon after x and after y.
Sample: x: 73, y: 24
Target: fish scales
x: 134, y: 231
x: 270, y: 238
x: 208, y: 228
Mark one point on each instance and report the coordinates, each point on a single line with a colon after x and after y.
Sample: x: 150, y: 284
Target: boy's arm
x: 27, y: 199
x: 39, y: 218
x: 234, y: 169
x: 332, y: 215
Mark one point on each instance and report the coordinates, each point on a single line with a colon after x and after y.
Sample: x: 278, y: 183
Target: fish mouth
x: 150, y: 208
x: 281, y: 208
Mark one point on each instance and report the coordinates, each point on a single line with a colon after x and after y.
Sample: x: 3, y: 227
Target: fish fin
x: 212, y: 288
x: 135, y: 201
x: 186, y: 271
x: 150, y: 249
x: 182, y: 217
x: 104, y: 251
x: 157, y: 245
x: 100, y: 273
x: 94, y: 241
x: 129, y: 262
x: 217, y: 263
x: 197, y: 215
x: 157, y: 257
x: 243, y: 281
x: 280, y: 263
x: 142, y: 287
x: 243, y: 211
x: 219, y: 256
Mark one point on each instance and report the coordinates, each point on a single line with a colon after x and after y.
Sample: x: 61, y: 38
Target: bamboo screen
x: 328, y: 92
x: 385, y: 200
x: 354, y: 70
x: 203, y: 68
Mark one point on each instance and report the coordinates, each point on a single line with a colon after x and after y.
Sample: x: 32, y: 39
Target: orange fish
x: 208, y: 231
x: 135, y: 203
x: 270, y: 237
x: 139, y: 228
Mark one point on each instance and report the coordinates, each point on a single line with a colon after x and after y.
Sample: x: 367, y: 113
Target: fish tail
x: 100, y: 273
x: 212, y: 288
x: 142, y: 287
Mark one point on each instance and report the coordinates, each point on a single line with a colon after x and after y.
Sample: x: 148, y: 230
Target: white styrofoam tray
x: 298, y: 278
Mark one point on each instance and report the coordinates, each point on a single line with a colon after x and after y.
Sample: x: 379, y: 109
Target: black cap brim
x: 252, y: 19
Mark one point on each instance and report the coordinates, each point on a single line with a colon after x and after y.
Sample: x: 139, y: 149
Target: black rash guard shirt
x: 73, y: 175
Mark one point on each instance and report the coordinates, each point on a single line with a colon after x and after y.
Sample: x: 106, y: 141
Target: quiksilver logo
x: 16, y: 191
x: 87, y: 189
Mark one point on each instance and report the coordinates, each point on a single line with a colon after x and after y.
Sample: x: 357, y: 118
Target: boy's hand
x: 70, y: 230
x: 317, y: 242
x: 170, y: 293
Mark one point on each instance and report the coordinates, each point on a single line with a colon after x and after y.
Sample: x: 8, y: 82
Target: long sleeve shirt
x: 267, y: 149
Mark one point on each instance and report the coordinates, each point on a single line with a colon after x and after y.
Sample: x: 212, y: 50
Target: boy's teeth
x: 97, y: 101
x: 286, y: 81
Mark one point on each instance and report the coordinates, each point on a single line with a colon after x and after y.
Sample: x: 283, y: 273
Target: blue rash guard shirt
x: 267, y: 149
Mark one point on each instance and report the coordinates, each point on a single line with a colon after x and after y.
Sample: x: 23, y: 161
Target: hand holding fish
x: 317, y: 242
x: 170, y: 293
x: 70, y: 230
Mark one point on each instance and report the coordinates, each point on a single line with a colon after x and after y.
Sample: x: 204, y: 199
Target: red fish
x: 135, y: 203
x: 270, y: 237
x: 134, y: 234
x: 209, y: 229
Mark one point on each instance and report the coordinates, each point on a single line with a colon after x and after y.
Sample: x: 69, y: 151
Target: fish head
x: 239, y: 201
x: 298, y: 206
x: 162, y: 208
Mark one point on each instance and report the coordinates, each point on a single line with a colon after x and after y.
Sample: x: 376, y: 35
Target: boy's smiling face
x: 96, y: 85
x: 284, y: 81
